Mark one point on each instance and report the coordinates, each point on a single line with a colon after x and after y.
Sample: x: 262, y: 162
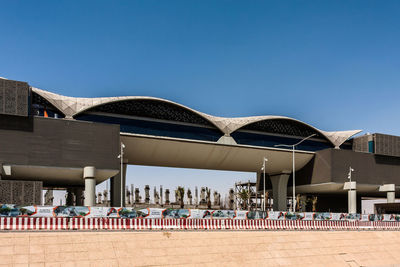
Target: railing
x: 43, y: 223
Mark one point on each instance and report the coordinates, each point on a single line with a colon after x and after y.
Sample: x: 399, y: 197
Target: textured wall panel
x: 21, y: 192
x: 360, y: 144
x: 10, y: 99
x: 387, y: 145
x: 1, y: 96
x: 22, y: 99
x: 14, y: 98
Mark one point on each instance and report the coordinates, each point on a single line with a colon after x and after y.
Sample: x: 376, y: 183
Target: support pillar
x: 279, y: 191
x: 69, y: 201
x: 48, y: 197
x: 89, y: 174
x: 391, y: 197
x: 390, y: 192
x: 352, y: 196
x: 79, y: 196
x: 116, y: 189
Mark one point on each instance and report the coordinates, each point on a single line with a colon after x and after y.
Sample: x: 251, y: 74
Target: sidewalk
x: 225, y: 248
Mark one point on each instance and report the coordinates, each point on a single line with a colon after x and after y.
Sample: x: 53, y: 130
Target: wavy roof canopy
x: 73, y: 106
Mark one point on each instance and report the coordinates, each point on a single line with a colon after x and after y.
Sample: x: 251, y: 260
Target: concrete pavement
x: 200, y: 248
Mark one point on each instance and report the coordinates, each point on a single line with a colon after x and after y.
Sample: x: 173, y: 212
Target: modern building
x: 75, y: 143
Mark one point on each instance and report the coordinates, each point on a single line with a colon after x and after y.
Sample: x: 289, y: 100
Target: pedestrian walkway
x: 200, y: 248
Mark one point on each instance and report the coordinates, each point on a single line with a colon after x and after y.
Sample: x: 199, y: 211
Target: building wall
x: 14, y: 97
x: 61, y: 143
x: 332, y: 165
x: 21, y: 192
x: 381, y: 144
x: 360, y: 144
x: 369, y: 168
x: 387, y: 144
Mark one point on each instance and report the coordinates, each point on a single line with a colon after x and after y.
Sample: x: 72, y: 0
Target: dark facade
x: 30, y: 140
x: 332, y: 165
x: 62, y: 143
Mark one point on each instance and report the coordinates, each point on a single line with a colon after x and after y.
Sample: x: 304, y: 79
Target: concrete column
x: 116, y: 189
x: 352, y: 196
x: 89, y: 174
x: 279, y: 191
x: 78, y: 196
x: 390, y: 192
x: 69, y: 201
x: 48, y: 198
x: 352, y: 205
x: 391, y: 197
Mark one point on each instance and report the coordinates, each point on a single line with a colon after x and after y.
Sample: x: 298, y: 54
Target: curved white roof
x: 72, y: 106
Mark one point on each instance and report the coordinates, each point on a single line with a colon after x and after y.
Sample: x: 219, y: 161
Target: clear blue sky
x: 333, y: 64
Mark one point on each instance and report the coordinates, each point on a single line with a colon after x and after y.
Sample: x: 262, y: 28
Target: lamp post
x: 293, y: 166
x: 263, y: 169
x: 351, y: 194
x: 121, y: 156
x: 350, y: 171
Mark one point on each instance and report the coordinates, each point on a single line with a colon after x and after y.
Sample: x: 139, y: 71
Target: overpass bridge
x: 74, y: 134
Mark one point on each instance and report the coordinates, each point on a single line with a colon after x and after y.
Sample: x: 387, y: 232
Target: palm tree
x: 208, y: 194
x: 314, y: 203
x: 180, y: 192
x: 266, y: 200
x: 298, y: 202
x: 189, y: 196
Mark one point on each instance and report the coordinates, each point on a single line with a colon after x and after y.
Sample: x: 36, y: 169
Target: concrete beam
x: 387, y: 188
x: 390, y: 192
x: 350, y: 186
x: 7, y: 170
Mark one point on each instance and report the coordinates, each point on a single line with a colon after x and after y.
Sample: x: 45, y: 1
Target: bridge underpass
x: 174, y: 152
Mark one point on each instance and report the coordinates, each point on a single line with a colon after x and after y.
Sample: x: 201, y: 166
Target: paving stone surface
x: 202, y: 248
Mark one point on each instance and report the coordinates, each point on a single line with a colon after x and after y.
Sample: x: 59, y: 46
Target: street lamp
x: 350, y: 171
x: 263, y: 169
x: 121, y: 156
x: 351, y: 194
x: 293, y: 166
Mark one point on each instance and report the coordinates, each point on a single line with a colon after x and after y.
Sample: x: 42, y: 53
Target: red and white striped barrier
x: 26, y: 223
x: 82, y: 223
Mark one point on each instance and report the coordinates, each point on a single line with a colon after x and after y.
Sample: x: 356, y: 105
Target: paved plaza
x: 207, y: 248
